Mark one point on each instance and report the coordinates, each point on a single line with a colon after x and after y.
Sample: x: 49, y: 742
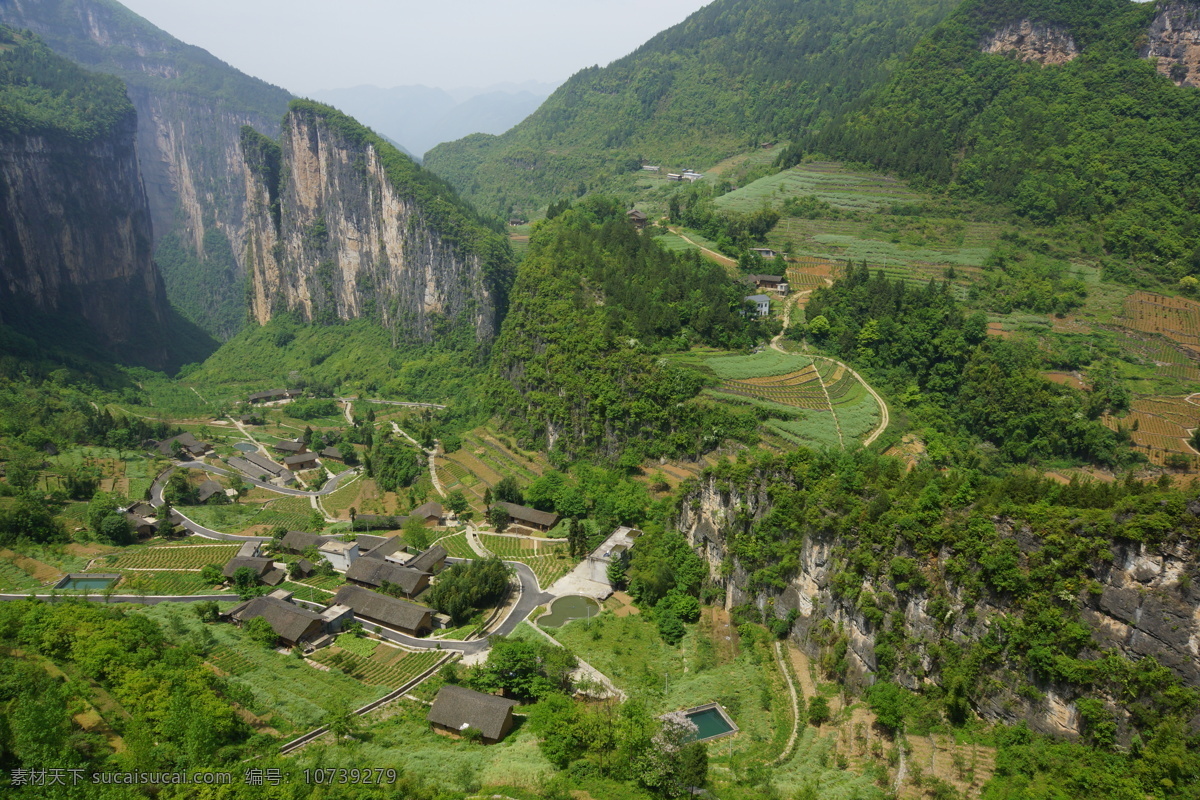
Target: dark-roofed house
x: 264, y: 569
x: 769, y: 283
x: 432, y: 513
x: 638, y: 218
x: 141, y: 526
x: 304, y: 568
x: 299, y: 541
x: 432, y: 560
x: 290, y: 446
x: 300, y: 461
x: 384, y: 549
x: 375, y: 572
x: 529, y: 517
x: 457, y: 708
x: 190, y: 445
x: 291, y: 623
x: 255, y: 465
x: 208, y: 490
x: 332, y: 454
x: 383, y: 610
x: 274, y: 394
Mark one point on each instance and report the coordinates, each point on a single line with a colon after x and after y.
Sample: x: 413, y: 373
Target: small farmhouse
x: 456, y: 708
x: 291, y: 623
x: 432, y: 513
x: 373, y: 607
x: 264, y: 569
x: 432, y: 560
x: 637, y: 218
x: 289, y: 446
x: 762, y: 304
x: 300, y: 461
x: 375, y: 572
x: 529, y: 517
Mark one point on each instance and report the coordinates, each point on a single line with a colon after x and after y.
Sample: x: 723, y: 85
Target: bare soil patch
x: 37, y: 570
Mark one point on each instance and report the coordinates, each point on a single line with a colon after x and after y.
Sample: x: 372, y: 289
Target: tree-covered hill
x: 1104, y: 137
x: 576, y: 368
x: 733, y: 74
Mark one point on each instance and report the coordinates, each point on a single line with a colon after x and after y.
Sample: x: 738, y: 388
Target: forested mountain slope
x: 576, y: 368
x: 1065, y: 110
x: 74, y: 223
x: 731, y: 75
x: 190, y: 109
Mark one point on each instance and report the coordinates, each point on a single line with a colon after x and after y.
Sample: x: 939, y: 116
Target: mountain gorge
x: 341, y: 225
x: 190, y: 109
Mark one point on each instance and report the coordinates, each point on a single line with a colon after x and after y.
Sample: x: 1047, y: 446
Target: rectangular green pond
x: 89, y: 583
x: 710, y: 722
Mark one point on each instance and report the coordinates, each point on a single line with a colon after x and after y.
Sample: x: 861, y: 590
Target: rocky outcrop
x: 1174, y: 42
x: 75, y: 241
x: 191, y: 107
x: 1143, y: 604
x: 333, y: 233
x: 1033, y: 41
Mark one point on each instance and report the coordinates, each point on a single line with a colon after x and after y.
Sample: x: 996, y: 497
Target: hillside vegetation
x: 730, y: 76
x: 1104, y: 138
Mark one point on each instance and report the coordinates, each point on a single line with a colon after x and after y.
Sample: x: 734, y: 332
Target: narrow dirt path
x: 787, y: 675
x: 348, y: 408
x: 885, y: 418
x: 723, y: 260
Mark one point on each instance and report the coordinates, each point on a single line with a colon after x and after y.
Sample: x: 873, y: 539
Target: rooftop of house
x: 287, y: 620
x: 337, y: 546
x: 376, y: 572
x: 426, y: 561
x: 531, y: 515
x: 387, y: 610
x: 459, y: 708
x: 426, y: 510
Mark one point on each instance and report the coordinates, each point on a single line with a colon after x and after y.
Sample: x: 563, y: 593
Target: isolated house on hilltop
x: 457, y: 708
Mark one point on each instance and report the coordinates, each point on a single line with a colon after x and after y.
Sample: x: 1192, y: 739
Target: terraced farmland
x: 814, y: 403
x: 456, y: 546
x: 171, y: 558
x: 548, y: 560
x: 1176, y: 318
x: 1163, y: 426
x: 387, y: 666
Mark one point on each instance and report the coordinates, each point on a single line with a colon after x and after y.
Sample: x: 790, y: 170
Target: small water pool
x: 711, y: 721
x: 245, y: 447
x: 85, y: 582
x: 565, y: 609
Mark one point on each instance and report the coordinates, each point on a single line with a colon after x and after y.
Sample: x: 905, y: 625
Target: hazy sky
x: 312, y: 45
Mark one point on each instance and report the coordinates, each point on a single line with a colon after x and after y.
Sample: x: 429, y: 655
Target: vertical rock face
x: 1033, y: 41
x: 75, y: 239
x: 191, y: 108
x: 1174, y: 40
x: 1137, y: 608
x: 334, y: 233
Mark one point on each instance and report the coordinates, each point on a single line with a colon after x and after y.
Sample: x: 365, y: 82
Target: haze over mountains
x: 420, y: 117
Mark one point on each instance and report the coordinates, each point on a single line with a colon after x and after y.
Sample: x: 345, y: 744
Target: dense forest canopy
x: 44, y: 94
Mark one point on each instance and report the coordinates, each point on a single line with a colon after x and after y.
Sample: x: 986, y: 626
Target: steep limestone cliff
x: 341, y: 225
x: 191, y: 108
x: 1174, y: 41
x: 1033, y: 41
x: 1140, y: 602
x: 75, y: 235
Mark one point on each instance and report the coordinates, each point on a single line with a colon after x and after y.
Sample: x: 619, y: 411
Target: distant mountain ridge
x: 419, y: 117
x: 731, y: 75
x: 190, y: 108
